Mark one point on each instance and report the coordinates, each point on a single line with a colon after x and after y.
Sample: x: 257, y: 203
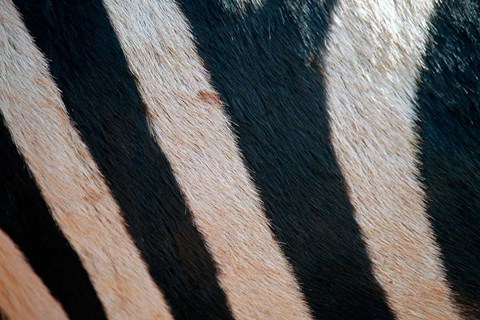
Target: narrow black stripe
x: 265, y: 64
x: 24, y: 216
x: 101, y: 96
x: 3, y: 315
x: 449, y: 124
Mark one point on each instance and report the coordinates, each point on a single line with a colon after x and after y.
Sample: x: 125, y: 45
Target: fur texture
x: 448, y: 108
x: 70, y: 181
x: 283, y: 130
x: 186, y: 117
x: 25, y: 218
x: 22, y: 293
x: 239, y: 159
x: 373, y: 132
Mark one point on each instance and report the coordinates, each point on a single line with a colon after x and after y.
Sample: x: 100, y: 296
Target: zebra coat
x: 239, y: 159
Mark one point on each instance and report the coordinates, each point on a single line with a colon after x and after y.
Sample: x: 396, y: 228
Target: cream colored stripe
x: 22, y: 294
x: 188, y: 121
x: 70, y: 181
x: 374, y: 52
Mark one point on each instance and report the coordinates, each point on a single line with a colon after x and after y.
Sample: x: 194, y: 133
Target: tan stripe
x: 372, y: 62
x: 189, y: 122
x: 69, y: 179
x: 22, y: 294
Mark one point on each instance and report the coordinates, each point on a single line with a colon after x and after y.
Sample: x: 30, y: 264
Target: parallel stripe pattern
x: 30, y: 299
x: 278, y: 105
x: 26, y: 219
x: 186, y: 116
x: 372, y: 123
x: 70, y: 182
x: 101, y: 97
x: 239, y: 159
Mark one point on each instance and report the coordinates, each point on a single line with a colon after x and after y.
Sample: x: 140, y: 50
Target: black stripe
x: 449, y: 127
x: 101, y: 96
x: 24, y: 216
x: 3, y: 315
x: 265, y: 64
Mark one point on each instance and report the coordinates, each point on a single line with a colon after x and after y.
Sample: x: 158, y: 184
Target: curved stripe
x: 22, y: 294
x: 374, y: 51
x: 70, y: 182
x: 187, y: 118
x: 25, y: 217
x: 263, y: 65
x: 448, y: 100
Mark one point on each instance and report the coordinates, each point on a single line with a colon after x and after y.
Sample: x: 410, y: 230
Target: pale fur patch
x: 69, y: 179
x: 187, y: 118
x: 374, y: 52
x: 22, y: 294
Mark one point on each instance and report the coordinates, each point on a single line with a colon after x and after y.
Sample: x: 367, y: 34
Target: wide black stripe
x: 24, y: 216
x: 266, y: 65
x: 449, y: 126
x: 101, y: 96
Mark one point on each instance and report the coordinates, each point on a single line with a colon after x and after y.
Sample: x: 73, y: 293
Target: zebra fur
x: 239, y: 159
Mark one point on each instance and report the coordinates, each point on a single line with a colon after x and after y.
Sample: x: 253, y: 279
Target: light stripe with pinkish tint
x: 374, y: 53
x: 187, y: 118
x: 22, y: 294
x: 69, y: 179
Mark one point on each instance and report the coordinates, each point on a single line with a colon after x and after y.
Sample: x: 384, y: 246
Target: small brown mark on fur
x: 210, y: 97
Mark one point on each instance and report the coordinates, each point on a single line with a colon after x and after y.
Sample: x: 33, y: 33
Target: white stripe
x: 188, y: 121
x: 22, y: 294
x: 374, y: 52
x: 69, y: 179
